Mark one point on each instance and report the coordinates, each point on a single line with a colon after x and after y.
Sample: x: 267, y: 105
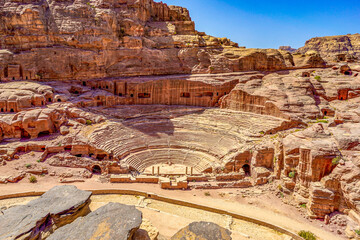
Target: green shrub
x: 303, y: 205
x: 32, y: 179
x: 88, y: 122
x: 336, y: 160
x: 357, y: 231
x: 28, y: 165
x: 307, y: 235
x: 38, y: 160
x: 322, y: 121
x: 207, y: 194
x: 317, y: 78
x: 291, y: 174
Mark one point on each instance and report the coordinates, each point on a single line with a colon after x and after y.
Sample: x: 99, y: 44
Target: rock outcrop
x: 202, y: 231
x: 115, y: 38
x: 57, y: 207
x: 31, y: 123
x: 112, y: 221
x: 335, y: 48
x: 18, y: 96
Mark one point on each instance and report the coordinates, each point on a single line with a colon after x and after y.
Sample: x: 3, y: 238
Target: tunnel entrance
x: 24, y: 134
x: 100, y: 156
x: 67, y: 148
x: 246, y: 169
x: 43, y: 133
x: 96, y: 169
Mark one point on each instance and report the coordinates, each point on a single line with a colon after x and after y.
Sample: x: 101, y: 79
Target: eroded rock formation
x: 116, y: 38
x: 112, y: 221
x: 203, y: 231
x: 335, y: 48
x: 57, y: 207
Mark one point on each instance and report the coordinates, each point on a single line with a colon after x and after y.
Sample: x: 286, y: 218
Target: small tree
x: 32, y: 179
x: 291, y: 174
x: 307, y: 235
x: 336, y: 160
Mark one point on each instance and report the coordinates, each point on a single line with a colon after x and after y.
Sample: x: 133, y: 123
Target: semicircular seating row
x: 144, y: 159
x: 137, y: 148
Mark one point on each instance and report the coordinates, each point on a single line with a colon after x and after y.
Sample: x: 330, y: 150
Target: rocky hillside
x: 79, y: 39
x: 335, y: 48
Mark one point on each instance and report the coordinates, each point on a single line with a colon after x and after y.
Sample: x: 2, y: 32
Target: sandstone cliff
x: 81, y: 39
x: 335, y: 48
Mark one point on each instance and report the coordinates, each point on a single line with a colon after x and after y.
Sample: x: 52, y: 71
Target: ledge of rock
x: 57, y: 207
x: 202, y: 231
x: 112, y: 221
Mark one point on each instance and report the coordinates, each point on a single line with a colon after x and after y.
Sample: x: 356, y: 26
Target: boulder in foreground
x: 55, y: 208
x: 112, y: 221
x: 202, y: 231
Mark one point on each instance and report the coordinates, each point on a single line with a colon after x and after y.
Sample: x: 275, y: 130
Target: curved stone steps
x: 144, y: 159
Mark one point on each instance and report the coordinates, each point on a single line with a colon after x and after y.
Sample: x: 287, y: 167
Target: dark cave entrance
x: 246, y: 169
x: 43, y: 133
x: 96, y: 169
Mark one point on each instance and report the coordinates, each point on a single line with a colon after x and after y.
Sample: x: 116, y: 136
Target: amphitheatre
x: 169, y: 133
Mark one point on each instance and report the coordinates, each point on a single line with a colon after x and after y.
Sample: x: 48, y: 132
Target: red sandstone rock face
x: 15, y: 96
x: 31, y: 123
x: 117, y: 38
x: 285, y: 96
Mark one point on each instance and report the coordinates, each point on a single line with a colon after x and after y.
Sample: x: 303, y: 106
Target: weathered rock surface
x: 31, y: 123
x: 112, y: 221
x: 202, y: 231
x: 17, y: 96
x: 116, y: 38
x: 57, y: 207
x: 335, y: 48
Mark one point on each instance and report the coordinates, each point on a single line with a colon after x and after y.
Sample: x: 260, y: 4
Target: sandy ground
x: 252, y: 202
